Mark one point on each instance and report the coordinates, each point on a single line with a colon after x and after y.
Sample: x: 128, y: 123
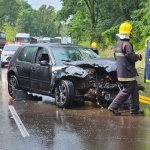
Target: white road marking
x: 18, y: 121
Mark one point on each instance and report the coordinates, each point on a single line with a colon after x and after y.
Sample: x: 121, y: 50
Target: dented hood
x: 109, y: 64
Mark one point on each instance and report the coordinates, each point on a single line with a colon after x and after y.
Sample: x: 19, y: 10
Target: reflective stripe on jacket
x: 125, y: 60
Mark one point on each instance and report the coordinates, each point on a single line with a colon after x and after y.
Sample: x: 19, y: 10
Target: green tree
x: 9, y: 10
x: 27, y: 21
x: 46, y: 18
x: 25, y: 4
x: 99, y: 15
x: 141, y: 24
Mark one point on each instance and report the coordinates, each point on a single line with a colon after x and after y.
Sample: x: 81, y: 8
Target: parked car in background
x: 7, y: 53
x: 2, y: 39
x: 65, y: 72
x: 46, y: 40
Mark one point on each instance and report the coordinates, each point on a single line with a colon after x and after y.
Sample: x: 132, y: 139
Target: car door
x: 24, y: 64
x: 41, y: 75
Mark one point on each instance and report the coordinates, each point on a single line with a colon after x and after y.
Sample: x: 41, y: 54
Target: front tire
x: 64, y: 94
x: 12, y: 84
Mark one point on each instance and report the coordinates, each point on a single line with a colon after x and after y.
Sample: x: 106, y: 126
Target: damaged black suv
x: 65, y: 72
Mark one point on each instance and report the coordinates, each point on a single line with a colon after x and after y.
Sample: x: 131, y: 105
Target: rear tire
x: 12, y: 84
x: 64, y: 94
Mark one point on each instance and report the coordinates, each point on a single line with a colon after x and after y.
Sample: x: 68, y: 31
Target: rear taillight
x: 8, y: 66
x: 19, y: 42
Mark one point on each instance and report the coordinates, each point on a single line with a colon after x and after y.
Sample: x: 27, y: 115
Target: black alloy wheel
x: 64, y: 94
x: 12, y: 84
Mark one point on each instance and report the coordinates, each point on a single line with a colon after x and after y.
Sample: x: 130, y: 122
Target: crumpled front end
x: 94, y: 84
x: 93, y: 81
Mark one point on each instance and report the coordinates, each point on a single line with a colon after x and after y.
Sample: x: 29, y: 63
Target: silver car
x: 7, y: 52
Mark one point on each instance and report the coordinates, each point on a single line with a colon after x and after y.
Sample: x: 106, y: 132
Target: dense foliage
x: 83, y: 20
x: 99, y: 20
x: 18, y: 16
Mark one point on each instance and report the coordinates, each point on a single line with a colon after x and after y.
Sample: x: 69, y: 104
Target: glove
x: 140, y: 87
x: 140, y: 57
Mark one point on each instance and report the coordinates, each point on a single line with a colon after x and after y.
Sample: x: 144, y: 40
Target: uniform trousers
x: 128, y: 92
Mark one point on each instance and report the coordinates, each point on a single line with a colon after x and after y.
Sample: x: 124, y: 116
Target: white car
x: 7, y: 52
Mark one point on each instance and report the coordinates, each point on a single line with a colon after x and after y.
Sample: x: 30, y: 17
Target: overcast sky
x: 36, y: 4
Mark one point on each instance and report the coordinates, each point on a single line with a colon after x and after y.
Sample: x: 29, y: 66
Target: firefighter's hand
x: 140, y: 87
x: 140, y: 57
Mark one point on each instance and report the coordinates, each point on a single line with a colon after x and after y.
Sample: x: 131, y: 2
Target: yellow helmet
x: 125, y: 28
x: 94, y: 45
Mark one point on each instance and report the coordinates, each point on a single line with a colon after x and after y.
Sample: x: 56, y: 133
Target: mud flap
x: 21, y: 95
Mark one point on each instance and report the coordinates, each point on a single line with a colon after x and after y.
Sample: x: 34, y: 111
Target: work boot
x: 137, y: 112
x: 114, y: 111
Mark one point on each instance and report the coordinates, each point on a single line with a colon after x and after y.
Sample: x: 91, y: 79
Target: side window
x: 27, y: 54
x: 42, y: 54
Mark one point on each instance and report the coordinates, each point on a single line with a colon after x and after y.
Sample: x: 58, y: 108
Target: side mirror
x: 43, y: 63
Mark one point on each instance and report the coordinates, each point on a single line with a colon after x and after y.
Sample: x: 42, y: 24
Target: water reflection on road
x: 84, y: 128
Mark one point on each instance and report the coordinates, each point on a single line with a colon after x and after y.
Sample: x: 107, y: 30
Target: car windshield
x: 69, y: 54
x: 11, y: 48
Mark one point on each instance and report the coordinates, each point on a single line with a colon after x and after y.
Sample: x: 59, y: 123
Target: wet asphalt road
x: 80, y: 128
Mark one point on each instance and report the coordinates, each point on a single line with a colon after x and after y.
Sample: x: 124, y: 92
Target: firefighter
x: 126, y: 72
x: 147, y: 61
x: 94, y: 48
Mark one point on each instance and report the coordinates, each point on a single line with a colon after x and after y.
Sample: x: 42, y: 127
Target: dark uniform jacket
x: 96, y: 51
x: 125, y: 59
